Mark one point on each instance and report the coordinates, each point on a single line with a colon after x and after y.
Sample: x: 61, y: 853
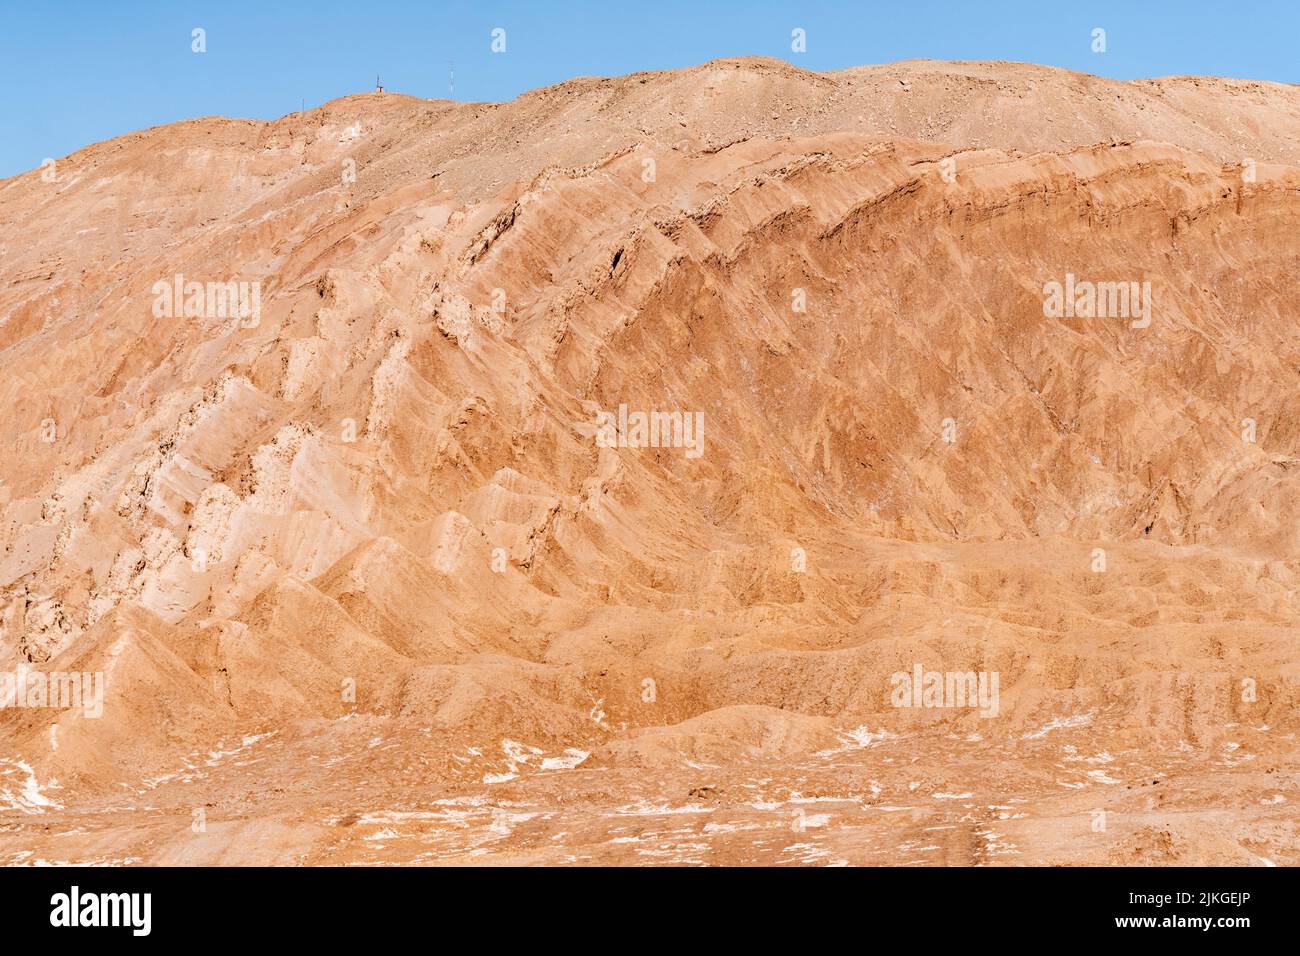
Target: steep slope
x: 377, y: 512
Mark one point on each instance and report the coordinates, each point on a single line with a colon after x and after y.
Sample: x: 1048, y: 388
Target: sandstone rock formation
x: 364, y: 585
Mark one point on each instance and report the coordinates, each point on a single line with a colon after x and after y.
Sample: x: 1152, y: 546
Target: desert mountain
x: 366, y: 579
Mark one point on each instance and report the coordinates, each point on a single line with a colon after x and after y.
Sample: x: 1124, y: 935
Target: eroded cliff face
x: 343, y: 530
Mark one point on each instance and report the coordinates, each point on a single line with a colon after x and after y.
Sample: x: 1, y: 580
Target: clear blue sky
x: 77, y: 72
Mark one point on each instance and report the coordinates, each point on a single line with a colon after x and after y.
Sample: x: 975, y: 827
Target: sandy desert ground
x: 364, y: 583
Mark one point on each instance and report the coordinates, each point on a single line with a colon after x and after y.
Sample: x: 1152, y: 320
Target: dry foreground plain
x: 733, y: 465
